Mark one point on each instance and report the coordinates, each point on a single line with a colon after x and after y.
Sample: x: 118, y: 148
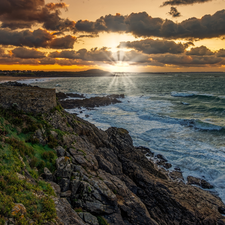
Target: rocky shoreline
x: 100, y: 178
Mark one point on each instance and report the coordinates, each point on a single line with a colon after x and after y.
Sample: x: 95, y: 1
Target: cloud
x: 88, y: 36
x: 63, y: 42
x: 173, y: 12
x: 183, y: 2
x: 221, y: 53
x: 36, y: 38
x: 143, y: 25
x: 202, y: 50
x: 25, y: 13
x: 25, y: 53
x: 185, y: 60
x: 151, y: 46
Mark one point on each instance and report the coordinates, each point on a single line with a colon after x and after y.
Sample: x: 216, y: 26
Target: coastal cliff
x: 59, y: 169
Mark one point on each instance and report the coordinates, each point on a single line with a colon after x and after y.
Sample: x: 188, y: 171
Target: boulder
x: 88, y: 218
x: 200, y: 182
x: 60, y: 151
x: 47, y: 174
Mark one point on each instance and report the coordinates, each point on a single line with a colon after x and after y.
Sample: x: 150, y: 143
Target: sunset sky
x: 119, y: 35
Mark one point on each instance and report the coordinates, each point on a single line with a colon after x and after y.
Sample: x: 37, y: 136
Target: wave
x: 197, y: 124
x: 199, y: 96
x: 202, y: 125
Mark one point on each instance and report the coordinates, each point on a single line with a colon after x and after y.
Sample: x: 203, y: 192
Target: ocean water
x: 179, y: 115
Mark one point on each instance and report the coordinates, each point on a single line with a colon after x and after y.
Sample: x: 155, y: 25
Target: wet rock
x: 88, y: 102
x: 176, y: 175
x: 161, y: 157
x: 88, y: 218
x: 200, y: 182
x: 164, y: 164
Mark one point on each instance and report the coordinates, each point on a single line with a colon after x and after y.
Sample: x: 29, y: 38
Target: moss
x: 102, y: 221
x: 78, y: 209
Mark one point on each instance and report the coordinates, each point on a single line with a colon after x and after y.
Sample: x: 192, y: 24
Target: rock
x: 88, y: 102
x: 64, y: 184
x: 55, y: 187
x: 75, y: 185
x: 161, y: 157
x: 53, y: 133
x: 95, y: 197
x: 66, y: 194
x: 64, y: 168
x: 47, y: 174
x: 200, y: 182
x: 19, y: 208
x: 60, y: 151
x: 88, y: 218
x: 176, y: 175
x: 164, y: 164
x: 66, y: 214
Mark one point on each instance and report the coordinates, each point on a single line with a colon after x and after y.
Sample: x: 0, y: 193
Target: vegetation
x: 21, y: 153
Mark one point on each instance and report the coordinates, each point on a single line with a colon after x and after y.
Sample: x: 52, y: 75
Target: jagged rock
x: 66, y: 194
x: 176, y: 175
x: 64, y: 184
x: 60, y: 151
x: 84, y: 159
x: 88, y: 218
x: 200, y: 182
x: 96, y: 197
x: 47, y: 174
x: 66, y: 214
x: 64, y: 167
x: 75, y: 185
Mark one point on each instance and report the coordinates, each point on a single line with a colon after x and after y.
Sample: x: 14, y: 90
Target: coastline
x: 100, y: 174
x: 16, y: 78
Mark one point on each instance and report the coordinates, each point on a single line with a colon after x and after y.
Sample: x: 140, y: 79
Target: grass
x: 18, y: 152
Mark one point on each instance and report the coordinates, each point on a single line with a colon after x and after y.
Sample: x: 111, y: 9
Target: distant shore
x: 14, y: 78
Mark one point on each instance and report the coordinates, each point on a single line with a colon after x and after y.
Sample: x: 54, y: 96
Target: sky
x: 117, y: 36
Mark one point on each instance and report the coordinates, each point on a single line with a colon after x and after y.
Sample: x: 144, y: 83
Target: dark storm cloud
x: 26, y: 13
x: 143, y: 25
x: 36, y: 38
x: 150, y: 46
x: 202, y: 50
x: 25, y: 53
x: 183, y: 2
x: 63, y: 42
x: 173, y: 12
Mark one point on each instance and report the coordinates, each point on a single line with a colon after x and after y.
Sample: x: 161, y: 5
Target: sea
x: 178, y: 115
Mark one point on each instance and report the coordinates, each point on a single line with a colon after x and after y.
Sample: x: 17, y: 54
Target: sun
x: 120, y: 66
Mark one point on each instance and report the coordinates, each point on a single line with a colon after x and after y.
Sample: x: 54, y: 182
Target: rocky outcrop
x: 87, y: 102
x: 102, y: 175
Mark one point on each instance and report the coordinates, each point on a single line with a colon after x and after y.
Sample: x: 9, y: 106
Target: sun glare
x: 120, y: 66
